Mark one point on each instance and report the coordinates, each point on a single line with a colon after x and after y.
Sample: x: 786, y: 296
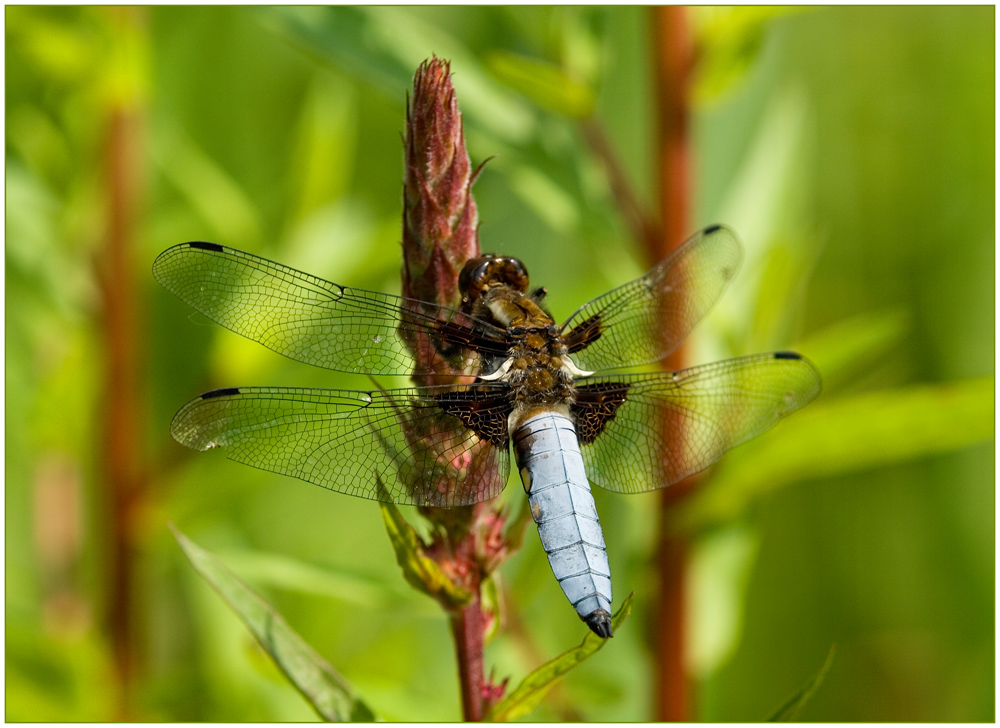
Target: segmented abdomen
x: 548, y: 456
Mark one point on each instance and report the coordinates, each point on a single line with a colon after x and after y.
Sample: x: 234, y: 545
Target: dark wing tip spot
x: 200, y: 245
x: 786, y: 355
x: 711, y: 229
x: 224, y: 392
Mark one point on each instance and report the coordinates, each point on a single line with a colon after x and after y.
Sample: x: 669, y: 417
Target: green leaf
x: 785, y: 267
x: 845, y: 435
x: 546, y: 84
x: 225, y: 207
x: 728, y: 40
x: 384, y: 45
x: 790, y: 710
x: 329, y: 694
x: 838, y: 350
x: 491, y: 606
x: 422, y: 572
x: 284, y: 572
x: 718, y: 579
x: 538, y: 682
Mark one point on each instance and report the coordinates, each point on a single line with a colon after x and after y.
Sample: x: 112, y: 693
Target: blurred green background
x: 851, y: 148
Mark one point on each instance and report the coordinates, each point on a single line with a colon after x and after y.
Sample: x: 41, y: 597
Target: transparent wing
x: 645, y: 431
x: 408, y: 446
x: 321, y: 323
x: 645, y: 320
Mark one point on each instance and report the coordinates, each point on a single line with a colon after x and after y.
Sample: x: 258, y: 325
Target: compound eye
x: 492, y: 270
x: 515, y: 274
x: 475, y: 276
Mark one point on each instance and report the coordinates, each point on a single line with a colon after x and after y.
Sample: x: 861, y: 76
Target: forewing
x: 408, y: 446
x: 321, y: 323
x: 646, y: 431
x: 645, y: 320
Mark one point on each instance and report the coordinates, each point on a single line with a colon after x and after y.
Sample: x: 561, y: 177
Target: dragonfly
x: 554, y: 394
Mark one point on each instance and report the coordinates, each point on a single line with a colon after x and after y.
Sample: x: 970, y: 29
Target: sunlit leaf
x: 728, y: 40
x: 785, y: 271
x: 420, y: 571
x: 546, y: 84
x: 718, y: 578
x: 284, y: 572
x: 64, y: 49
x: 846, y: 435
x: 551, y: 202
x: 762, y: 201
x: 523, y: 699
x: 790, y: 710
x: 225, y: 207
x: 325, y: 142
x: 324, y: 688
x: 383, y: 45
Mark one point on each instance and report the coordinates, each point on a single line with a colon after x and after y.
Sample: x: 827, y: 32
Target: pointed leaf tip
x: 530, y: 691
x: 420, y: 571
x: 790, y: 711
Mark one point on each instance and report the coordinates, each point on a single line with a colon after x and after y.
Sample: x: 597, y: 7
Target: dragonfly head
x: 487, y: 271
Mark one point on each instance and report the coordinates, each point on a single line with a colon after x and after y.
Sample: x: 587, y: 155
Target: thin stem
x: 673, y: 58
x: 670, y: 621
x: 467, y: 628
x: 643, y: 227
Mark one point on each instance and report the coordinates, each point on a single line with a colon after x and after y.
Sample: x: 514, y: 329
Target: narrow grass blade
x: 790, y: 710
x: 329, y: 694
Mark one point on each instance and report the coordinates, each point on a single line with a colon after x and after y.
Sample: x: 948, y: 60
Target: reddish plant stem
x: 673, y: 52
x: 123, y: 466
x: 467, y: 627
x: 121, y: 416
x: 673, y: 55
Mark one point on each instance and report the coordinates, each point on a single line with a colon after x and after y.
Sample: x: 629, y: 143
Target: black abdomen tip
x: 786, y: 355
x: 224, y: 392
x: 599, y: 622
x: 711, y: 229
x: 215, y: 247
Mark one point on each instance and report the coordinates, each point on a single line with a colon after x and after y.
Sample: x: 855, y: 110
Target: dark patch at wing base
x: 596, y: 405
x: 487, y: 417
x: 584, y: 334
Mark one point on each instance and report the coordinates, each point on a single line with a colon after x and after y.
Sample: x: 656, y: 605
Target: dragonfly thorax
x: 537, y: 367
